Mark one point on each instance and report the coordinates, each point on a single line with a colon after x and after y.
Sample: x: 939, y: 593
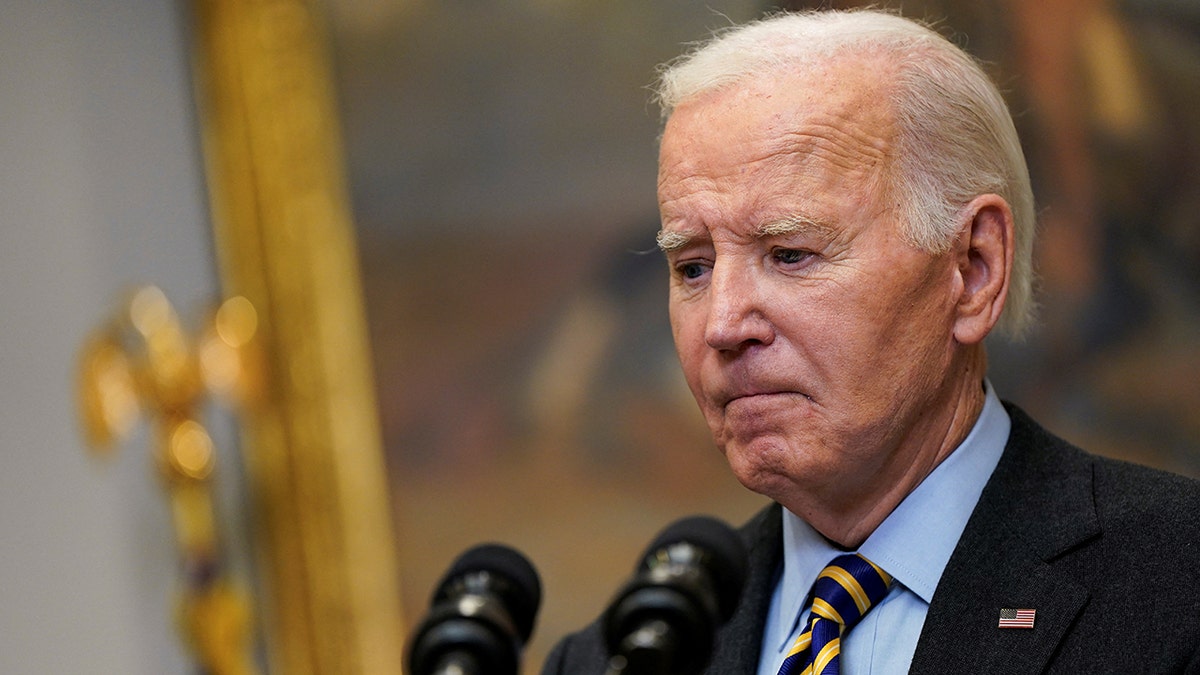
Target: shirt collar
x: 935, y: 514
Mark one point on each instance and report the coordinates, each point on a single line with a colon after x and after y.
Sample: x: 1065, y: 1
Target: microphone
x: 480, y: 617
x: 665, y: 620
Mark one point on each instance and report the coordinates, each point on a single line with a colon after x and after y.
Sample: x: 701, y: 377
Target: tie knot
x: 847, y: 588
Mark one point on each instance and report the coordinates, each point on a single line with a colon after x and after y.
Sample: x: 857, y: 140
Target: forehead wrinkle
x: 846, y: 146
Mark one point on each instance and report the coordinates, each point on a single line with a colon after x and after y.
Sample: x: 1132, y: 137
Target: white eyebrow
x: 794, y: 225
x: 670, y: 240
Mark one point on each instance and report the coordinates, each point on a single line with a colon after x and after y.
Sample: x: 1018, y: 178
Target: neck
x: 847, y: 518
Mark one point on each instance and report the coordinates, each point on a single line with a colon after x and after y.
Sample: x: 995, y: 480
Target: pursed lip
x: 727, y: 399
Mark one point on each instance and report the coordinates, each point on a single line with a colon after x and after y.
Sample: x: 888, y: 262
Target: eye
x: 790, y: 256
x: 691, y: 270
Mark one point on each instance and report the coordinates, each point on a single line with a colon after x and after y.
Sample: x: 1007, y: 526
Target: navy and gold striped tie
x: 842, y: 594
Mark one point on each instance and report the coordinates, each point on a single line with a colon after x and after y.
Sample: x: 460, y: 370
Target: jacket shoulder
x: 1130, y: 500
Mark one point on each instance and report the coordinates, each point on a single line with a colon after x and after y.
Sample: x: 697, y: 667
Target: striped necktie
x: 842, y: 594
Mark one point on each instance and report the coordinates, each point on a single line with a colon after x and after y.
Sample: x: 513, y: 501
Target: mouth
x: 763, y: 396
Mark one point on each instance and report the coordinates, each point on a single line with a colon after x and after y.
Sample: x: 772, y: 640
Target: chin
x: 762, y: 467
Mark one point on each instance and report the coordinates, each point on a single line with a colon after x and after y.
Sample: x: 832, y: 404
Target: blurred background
x: 502, y: 162
x: 101, y: 188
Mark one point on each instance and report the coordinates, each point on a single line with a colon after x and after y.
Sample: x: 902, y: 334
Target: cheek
x: 858, y: 343
x: 824, y: 331
x: 688, y: 332
x: 906, y: 339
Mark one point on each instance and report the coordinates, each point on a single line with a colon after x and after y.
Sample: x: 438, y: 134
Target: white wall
x: 100, y: 188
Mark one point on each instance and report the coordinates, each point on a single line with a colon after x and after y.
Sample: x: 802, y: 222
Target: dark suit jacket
x: 1107, y: 553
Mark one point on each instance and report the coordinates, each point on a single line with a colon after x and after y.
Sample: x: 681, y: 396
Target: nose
x: 737, y: 315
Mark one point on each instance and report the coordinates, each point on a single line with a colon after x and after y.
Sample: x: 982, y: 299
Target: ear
x: 984, y: 253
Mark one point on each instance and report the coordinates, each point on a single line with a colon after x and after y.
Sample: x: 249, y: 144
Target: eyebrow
x: 794, y: 225
x: 672, y: 240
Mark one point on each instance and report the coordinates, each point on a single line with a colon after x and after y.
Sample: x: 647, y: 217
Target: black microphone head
x: 686, y: 586
x: 720, y: 550
x: 498, y: 569
x: 481, y: 615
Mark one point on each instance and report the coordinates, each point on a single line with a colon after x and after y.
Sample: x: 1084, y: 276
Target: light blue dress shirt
x: 913, y: 544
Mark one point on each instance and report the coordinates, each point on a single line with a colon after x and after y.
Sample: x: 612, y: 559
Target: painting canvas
x: 502, y: 164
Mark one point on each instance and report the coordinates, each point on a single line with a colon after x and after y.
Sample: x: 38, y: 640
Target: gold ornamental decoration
x: 142, y: 364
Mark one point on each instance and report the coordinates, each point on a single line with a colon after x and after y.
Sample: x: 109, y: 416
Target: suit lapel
x: 1036, y: 506
x: 740, y: 641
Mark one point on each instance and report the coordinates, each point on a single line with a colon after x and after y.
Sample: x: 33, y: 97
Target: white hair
x: 955, y: 138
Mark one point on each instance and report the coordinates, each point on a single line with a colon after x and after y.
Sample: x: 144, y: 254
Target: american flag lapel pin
x: 1017, y: 618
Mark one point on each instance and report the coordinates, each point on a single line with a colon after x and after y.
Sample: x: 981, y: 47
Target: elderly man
x: 846, y: 214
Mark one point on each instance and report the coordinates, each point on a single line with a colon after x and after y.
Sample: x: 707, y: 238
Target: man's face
x: 814, y: 337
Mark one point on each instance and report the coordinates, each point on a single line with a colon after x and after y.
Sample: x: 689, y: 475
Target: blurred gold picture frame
x: 284, y: 240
